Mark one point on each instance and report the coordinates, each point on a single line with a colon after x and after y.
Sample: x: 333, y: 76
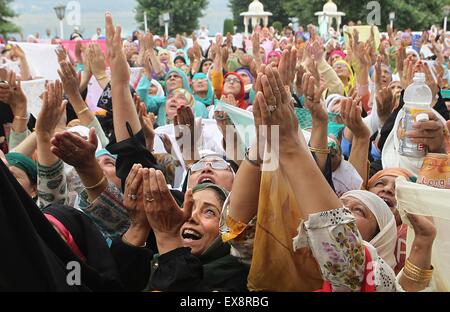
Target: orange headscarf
x: 396, y: 172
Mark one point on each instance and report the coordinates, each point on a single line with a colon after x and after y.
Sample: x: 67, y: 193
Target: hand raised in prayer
x: 188, y: 132
x: 313, y: 95
x: 273, y: 107
x: 97, y: 61
x: 17, y: 51
x: 351, y: 117
x: 120, y: 72
x: 146, y: 121
x: 53, y: 107
x: 12, y: 94
x: 298, y: 81
x: 70, y: 80
x: 408, y: 72
x: 133, y: 197
x: 163, y: 213
x: 431, y: 133
x: 133, y: 201
x: 75, y: 150
x: 229, y: 99
x: 286, y: 67
x: 385, y: 103
x: 61, y: 53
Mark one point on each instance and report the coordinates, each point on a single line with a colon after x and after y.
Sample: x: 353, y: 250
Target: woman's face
x: 23, y: 180
x: 200, y: 85
x: 174, y: 81
x: 274, y: 61
x: 385, y: 189
x: 153, y: 90
x: 365, y: 220
x: 414, y: 57
x: 222, y: 177
x: 396, y: 89
x: 386, y: 76
x: 174, y: 101
x: 341, y: 70
x: 200, y: 231
x: 232, y: 85
x: 164, y: 57
x: 245, y: 77
x: 179, y: 63
x: 206, y: 66
x: 108, y: 166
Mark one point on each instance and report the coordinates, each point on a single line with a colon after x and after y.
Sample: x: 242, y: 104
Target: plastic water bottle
x: 418, y: 98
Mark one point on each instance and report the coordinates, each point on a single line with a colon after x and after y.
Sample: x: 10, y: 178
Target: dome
x: 256, y: 7
x: 330, y: 7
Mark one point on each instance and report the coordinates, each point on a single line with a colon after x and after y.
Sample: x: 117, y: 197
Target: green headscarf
x: 208, y: 100
x: 183, y: 76
x: 223, y: 194
x: 24, y: 163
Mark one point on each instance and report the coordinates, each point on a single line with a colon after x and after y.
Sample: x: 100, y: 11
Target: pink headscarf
x: 273, y: 54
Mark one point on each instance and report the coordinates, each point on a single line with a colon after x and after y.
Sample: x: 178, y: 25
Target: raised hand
x: 119, y: 67
x: 351, y: 117
x: 408, y: 72
x: 313, y: 96
x: 12, y: 94
x: 385, y: 103
x: 61, y: 53
x: 274, y: 108
x: 163, y: 213
x: 229, y: 99
x: 378, y: 74
x: 70, y: 80
x: 97, y: 61
x: 185, y: 121
x: 52, y: 109
x: 133, y: 198
x: 286, y: 67
x: 146, y: 121
x: 73, y: 149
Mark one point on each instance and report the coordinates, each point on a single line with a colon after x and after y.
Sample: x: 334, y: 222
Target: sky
x: 37, y: 16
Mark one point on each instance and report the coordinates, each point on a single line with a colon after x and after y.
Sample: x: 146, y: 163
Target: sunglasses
x: 215, y: 164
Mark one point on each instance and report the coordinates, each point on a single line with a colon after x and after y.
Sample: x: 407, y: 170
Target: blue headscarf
x: 183, y: 76
x: 208, y: 100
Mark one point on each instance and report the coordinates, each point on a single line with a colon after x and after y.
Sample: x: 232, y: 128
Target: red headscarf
x: 240, y: 98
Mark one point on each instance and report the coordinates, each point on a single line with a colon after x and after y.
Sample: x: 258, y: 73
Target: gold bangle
x: 324, y: 151
x: 417, y: 274
x: 21, y: 118
x: 83, y: 111
x: 96, y: 185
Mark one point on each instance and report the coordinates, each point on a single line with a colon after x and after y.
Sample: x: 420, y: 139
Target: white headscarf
x: 331, y: 100
x: 158, y: 86
x: 346, y: 178
x: 386, y: 240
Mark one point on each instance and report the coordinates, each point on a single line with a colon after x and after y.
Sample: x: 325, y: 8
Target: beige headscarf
x: 386, y: 240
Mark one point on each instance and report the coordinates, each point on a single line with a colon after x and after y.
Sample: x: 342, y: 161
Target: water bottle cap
x: 419, y: 77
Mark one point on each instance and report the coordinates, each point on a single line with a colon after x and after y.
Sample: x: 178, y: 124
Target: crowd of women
x: 118, y: 193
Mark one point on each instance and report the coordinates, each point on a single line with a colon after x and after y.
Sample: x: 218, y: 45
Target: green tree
x: 184, y: 14
x: 274, y: 6
x: 6, y: 26
x: 228, y: 26
x: 414, y: 14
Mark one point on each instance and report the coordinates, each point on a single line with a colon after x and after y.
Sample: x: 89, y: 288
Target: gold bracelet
x: 324, y: 151
x: 83, y: 111
x: 21, y: 118
x: 417, y: 274
x: 96, y: 185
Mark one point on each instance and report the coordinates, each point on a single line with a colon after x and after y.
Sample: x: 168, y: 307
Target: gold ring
x: 149, y: 199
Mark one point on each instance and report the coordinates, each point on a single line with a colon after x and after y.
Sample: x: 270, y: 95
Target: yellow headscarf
x: 352, y: 78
